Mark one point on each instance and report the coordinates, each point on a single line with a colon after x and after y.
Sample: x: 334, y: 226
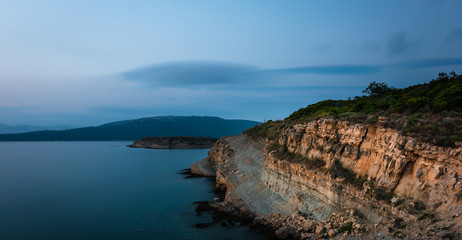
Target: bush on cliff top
x: 430, y: 112
x: 441, y: 94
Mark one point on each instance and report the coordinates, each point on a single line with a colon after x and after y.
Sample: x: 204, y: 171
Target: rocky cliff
x: 331, y: 178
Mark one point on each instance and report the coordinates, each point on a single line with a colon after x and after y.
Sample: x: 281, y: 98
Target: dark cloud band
x: 188, y: 74
x: 193, y: 74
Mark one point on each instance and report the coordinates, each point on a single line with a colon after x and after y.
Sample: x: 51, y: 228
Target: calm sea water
x: 103, y: 190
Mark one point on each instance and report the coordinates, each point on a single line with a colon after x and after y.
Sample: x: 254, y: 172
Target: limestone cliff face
x: 258, y: 181
x: 408, y: 168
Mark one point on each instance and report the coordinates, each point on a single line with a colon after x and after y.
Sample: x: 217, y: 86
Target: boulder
x: 282, y: 233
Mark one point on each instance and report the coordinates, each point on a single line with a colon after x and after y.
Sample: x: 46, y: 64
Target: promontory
x: 174, y: 142
x: 386, y: 165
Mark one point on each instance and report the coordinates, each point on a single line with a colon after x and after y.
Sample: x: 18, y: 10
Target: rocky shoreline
x: 223, y: 214
x: 281, y: 226
x: 174, y: 142
x: 345, y: 224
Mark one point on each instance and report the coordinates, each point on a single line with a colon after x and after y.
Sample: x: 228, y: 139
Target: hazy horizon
x: 85, y: 63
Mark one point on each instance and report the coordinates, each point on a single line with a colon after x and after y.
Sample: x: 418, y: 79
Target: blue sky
x: 91, y: 62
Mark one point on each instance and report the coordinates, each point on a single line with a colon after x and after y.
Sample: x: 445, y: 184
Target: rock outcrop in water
x: 174, y: 142
x: 332, y: 178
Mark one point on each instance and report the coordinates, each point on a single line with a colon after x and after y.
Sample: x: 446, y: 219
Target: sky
x: 81, y: 63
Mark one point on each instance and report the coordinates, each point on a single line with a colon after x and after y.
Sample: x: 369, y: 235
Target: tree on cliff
x: 377, y: 89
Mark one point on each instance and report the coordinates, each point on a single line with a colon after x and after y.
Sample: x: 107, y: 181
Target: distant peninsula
x: 131, y: 130
x: 174, y: 142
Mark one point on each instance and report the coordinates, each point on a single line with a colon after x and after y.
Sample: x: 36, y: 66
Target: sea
x: 105, y: 190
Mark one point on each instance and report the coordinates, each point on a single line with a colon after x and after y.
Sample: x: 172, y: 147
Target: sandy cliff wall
x: 408, y: 168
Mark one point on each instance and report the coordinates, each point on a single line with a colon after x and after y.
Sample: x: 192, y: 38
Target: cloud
x: 195, y: 75
x: 25, y: 108
x: 189, y: 74
x: 370, y: 69
x: 455, y: 36
x: 330, y: 70
x: 322, y: 49
x: 399, y: 44
x: 428, y: 63
x: 368, y: 46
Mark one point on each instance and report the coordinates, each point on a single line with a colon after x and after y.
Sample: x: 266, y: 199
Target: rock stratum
x: 174, y: 142
x: 335, y: 179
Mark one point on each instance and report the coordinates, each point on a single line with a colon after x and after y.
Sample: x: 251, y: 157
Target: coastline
x: 174, y: 142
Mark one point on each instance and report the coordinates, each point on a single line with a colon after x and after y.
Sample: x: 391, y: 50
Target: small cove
x: 103, y: 190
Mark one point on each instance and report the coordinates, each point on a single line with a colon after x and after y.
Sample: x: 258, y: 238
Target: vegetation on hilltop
x: 430, y: 111
x: 174, y: 142
x: 441, y: 94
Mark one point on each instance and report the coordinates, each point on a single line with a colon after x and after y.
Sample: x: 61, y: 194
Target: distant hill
x: 29, y: 128
x: 165, y: 126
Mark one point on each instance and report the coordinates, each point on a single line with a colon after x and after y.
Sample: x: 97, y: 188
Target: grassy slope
x: 430, y: 112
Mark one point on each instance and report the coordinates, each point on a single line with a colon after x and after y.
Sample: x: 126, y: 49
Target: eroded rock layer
x: 407, y: 168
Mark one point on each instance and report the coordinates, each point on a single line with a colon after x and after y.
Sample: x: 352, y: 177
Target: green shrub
x: 348, y: 227
x: 399, y: 202
x: 400, y: 235
x: 449, y: 235
x: 383, y: 194
x: 399, y: 223
x: 359, y: 181
x: 270, y: 130
x: 446, y: 141
x: 372, y: 119
x: 419, y: 206
x: 425, y: 215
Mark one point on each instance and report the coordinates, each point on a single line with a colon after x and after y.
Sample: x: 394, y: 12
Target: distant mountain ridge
x: 161, y: 126
x: 4, y: 128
